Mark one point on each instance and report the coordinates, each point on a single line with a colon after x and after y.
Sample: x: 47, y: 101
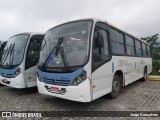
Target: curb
x: 153, y: 79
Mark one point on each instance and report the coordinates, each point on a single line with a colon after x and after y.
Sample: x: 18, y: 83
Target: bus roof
x: 32, y: 33
x: 110, y: 24
x: 114, y: 26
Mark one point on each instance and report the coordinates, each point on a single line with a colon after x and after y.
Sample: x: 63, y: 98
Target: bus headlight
x: 18, y: 71
x: 40, y: 79
x: 82, y: 77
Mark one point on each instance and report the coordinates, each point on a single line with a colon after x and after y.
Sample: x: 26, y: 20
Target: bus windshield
x: 14, y: 50
x: 66, y: 45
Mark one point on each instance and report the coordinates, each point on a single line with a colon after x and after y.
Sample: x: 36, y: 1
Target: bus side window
x: 148, y: 51
x: 33, y: 51
x: 138, y: 48
x: 100, y: 48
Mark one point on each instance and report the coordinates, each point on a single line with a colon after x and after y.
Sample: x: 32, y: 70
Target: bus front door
x: 101, y: 67
x: 32, y: 58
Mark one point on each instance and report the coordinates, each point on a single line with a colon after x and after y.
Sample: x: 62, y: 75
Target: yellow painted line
x: 154, y: 79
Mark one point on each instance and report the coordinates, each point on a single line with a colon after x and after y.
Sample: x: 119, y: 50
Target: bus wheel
x: 116, y: 87
x: 144, y: 74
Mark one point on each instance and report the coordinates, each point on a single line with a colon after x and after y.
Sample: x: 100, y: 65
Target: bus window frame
x: 105, y: 27
x: 27, y: 49
x: 124, y: 42
x: 129, y: 45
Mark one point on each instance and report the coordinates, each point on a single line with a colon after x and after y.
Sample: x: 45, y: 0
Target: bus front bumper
x: 17, y: 82
x: 80, y: 93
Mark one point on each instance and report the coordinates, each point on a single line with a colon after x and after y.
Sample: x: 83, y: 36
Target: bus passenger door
x: 32, y: 58
x: 101, y: 67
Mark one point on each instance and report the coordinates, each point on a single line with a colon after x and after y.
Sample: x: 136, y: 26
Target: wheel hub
x: 115, y: 86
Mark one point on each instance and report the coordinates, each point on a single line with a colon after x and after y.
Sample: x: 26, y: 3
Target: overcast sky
x: 138, y: 17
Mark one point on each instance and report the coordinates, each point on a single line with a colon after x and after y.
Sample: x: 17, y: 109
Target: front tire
x: 116, y: 87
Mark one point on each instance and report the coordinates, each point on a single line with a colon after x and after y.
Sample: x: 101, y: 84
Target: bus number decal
x: 122, y: 63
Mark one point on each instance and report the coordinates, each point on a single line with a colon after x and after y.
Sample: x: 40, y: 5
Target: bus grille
x: 6, y: 75
x: 56, y: 82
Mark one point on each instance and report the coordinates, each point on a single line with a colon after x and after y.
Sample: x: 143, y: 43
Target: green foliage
x: 155, y: 52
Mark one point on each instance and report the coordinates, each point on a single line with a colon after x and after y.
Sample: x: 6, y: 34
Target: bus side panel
x: 142, y: 62
x: 149, y: 65
x: 136, y: 67
x: 102, y: 80
x: 140, y: 67
x: 30, y: 76
x: 119, y: 63
x: 132, y: 71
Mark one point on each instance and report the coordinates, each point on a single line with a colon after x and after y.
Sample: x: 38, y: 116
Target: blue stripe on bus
x: 61, y: 79
x: 8, y: 73
x: 112, y: 67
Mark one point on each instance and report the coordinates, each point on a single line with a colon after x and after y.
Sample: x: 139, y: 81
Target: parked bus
x: 85, y: 59
x: 19, y: 62
x: 2, y: 45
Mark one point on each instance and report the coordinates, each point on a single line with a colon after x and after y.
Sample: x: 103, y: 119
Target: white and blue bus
x: 18, y: 65
x: 85, y: 59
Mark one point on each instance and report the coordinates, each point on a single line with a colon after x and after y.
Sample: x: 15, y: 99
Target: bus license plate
x: 54, y: 89
x: 4, y: 80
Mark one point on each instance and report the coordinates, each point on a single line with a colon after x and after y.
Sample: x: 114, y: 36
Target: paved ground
x: 137, y: 96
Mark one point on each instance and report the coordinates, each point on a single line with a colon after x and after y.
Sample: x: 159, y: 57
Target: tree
x: 155, y: 52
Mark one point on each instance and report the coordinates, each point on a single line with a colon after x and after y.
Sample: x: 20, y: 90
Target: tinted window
x: 138, y: 48
x: 100, y: 48
x: 33, y: 51
x: 144, y: 49
x: 117, y: 48
x: 148, y: 51
x: 117, y: 41
x: 130, y: 45
x: 117, y: 36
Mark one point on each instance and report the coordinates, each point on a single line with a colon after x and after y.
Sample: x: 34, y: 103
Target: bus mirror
x: 100, y: 39
x: 37, y: 47
x: 31, y: 54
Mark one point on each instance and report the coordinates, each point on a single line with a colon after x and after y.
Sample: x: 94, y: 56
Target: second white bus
x: 85, y: 59
x: 18, y: 65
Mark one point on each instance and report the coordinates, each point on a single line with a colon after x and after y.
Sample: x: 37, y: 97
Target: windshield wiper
x: 8, y: 52
x: 56, y: 49
x: 11, y: 56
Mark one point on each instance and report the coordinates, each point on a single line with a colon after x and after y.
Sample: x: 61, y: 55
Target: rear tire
x: 144, y: 74
x: 116, y: 87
